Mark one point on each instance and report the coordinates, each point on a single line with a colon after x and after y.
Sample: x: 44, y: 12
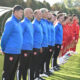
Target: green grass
x: 69, y: 71
x: 1, y: 65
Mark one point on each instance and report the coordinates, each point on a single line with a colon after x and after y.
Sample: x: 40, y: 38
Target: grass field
x: 69, y: 71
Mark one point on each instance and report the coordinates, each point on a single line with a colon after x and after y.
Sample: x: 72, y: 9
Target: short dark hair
x: 54, y: 14
x: 59, y: 15
x: 17, y: 8
x: 74, y: 15
x: 65, y: 17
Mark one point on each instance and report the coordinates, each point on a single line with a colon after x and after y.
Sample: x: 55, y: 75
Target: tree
x: 40, y: 5
x: 59, y: 7
x: 31, y: 4
x: 47, y: 5
x: 72, y: 3
x: 11, y: 3
x: 37, y: 4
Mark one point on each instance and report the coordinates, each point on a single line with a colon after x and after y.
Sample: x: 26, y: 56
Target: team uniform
x: 26, y: 58
x: 44, y: 44
x: 11, y: 43
x: 76, y: 31
x: 48, y: 53
x: 65, y: 37
x: 37, y: 44
x: 52, y: 43
x: 58, y: 41
x: 72, y: 37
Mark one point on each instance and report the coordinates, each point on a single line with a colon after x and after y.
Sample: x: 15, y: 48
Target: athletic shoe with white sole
x: 43, y: 75
x: 51, y: 70
x: 56, y: 68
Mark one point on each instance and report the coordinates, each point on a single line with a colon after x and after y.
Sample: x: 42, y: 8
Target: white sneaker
x: 36, y: 79
x: 66, y: 56
x: 75, y: 52
x: 43, y: 75
x: 60, y: 60
x: 72, y: 52
x: 51, y: 70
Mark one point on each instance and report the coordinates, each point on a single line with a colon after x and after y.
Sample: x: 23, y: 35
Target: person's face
x: 30, y: 14
x: 61, y: 19
x: 69, y: 20
x: 19, y: 14
x: 53, y: 18
x: 39, y: 15
x: 49, y: 16
x: 63, y: 22
x: 77, y: 20
x: 45, y: 14
x: 74, y: 18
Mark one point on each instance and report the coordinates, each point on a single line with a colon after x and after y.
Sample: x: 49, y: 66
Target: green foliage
x: 37, y: 4
x: 47, y: 5
x: 63, y: 8
x: 11, y: 3
x: 59, y: 7
x: 71, y: 3
x: 68, y: 3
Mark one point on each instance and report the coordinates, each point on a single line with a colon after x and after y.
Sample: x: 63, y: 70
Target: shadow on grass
x: 63, y: 76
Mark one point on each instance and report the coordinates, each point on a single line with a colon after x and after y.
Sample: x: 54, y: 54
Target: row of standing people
x: 70, y: 36
x: 28, y: 46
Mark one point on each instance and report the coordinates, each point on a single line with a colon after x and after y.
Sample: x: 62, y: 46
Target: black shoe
x: 48, y: 73
x: 56, y: 68
x: 58, y: 65
x: 36, y: 78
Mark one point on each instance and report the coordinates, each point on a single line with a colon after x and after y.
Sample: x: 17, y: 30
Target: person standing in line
x: 37, y: 44
x: 48, y: 22
x: 26, y: 58
x: 11, y: 43
x: 76, y: 28
x: 43, y: 22
x: 52, y: 43
x: 58, y: 40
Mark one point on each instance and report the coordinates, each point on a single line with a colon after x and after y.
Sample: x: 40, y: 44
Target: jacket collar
x: 26, y: 19
x: 17, y: 20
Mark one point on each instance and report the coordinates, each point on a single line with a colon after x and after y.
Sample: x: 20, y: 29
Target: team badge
x: 25, y: 54
x: 35, y: 53
x: 57, y: 46
x: 50, y: 50
x: 11, y: 58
